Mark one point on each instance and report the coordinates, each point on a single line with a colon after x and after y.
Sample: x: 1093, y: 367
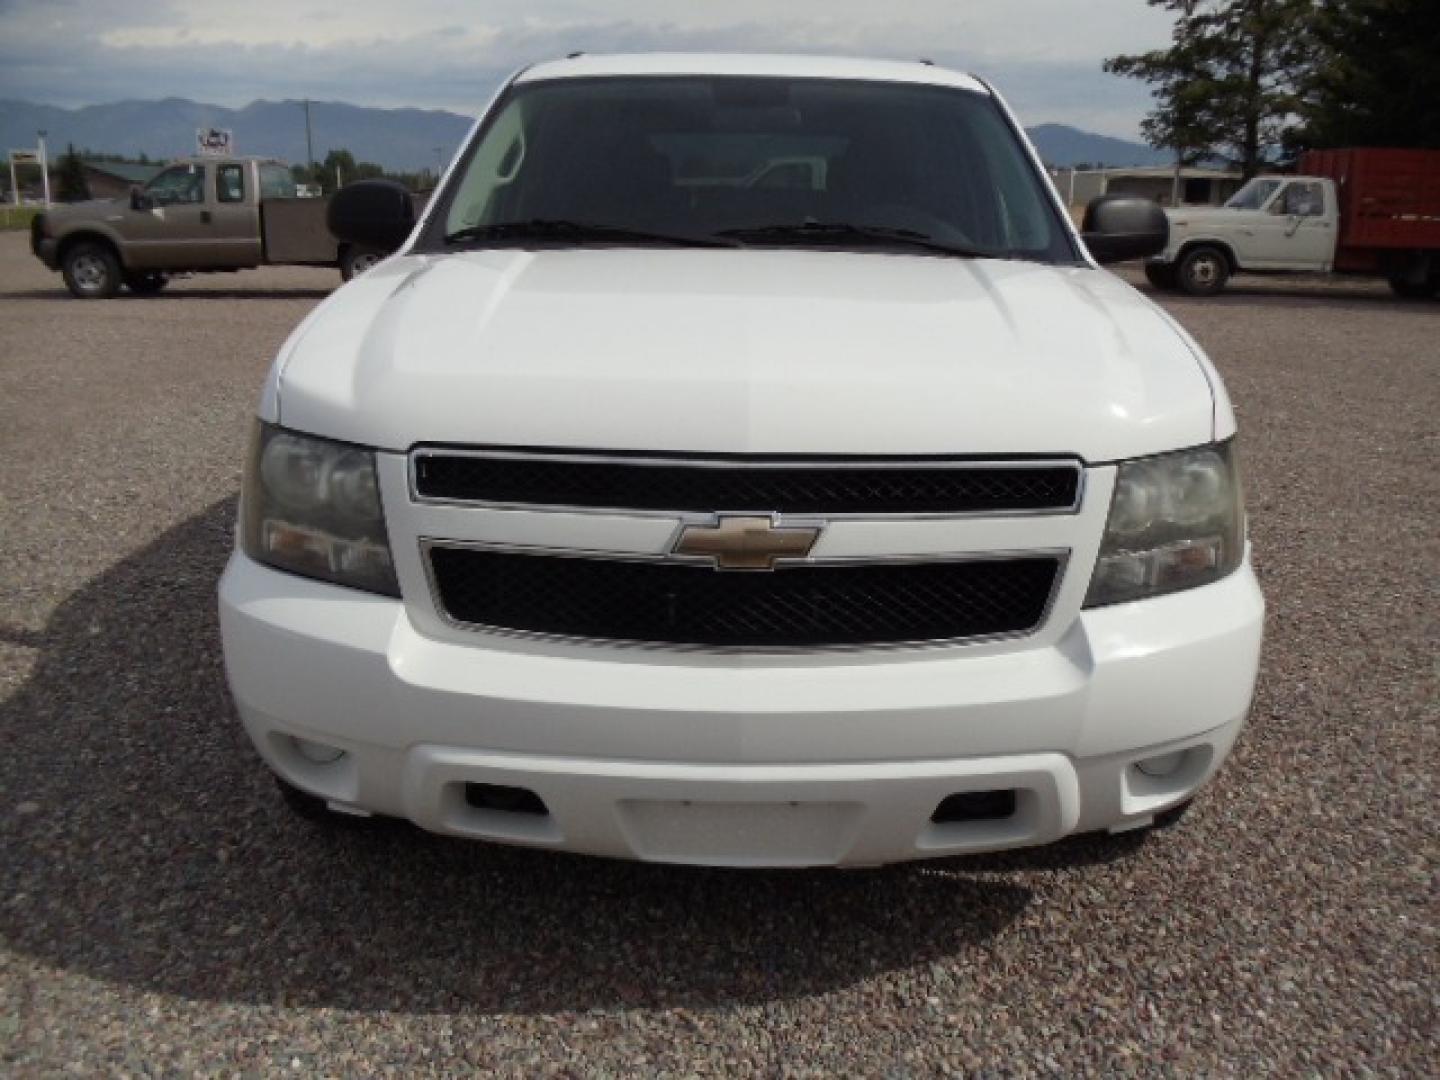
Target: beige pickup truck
x: 199, y: 215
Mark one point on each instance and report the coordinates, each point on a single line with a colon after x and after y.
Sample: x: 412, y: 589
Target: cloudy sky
x: 1044, y: 54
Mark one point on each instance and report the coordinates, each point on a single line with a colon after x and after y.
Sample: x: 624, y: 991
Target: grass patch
x: 18, y: 217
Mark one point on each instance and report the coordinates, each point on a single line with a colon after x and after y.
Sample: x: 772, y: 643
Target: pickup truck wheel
x: 91, y: 271
x: 357, y: 260
x: 147, y: 284
x: 1411, y: 290
x: 1161, y: 275
x: 1202, y: 271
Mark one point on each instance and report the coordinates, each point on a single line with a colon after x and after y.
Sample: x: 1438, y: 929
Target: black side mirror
x: 139, y: 200
x: 1120, y: 227
x: 376, y: 214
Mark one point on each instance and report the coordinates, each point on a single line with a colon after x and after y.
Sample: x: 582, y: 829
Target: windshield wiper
x: 842, y: 232
x: 577, y: 232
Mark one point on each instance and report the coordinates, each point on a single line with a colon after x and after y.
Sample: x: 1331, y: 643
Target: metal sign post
x: 44, y: 168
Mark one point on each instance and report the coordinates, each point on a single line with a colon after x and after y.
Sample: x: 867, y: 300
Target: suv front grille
x: 725, y: 485
x: 793, y: 606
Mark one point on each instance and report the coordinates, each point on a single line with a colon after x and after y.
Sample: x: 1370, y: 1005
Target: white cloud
x: 1043, y: 54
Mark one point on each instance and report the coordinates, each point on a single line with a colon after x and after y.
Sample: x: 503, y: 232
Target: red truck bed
x: 1388, y: 198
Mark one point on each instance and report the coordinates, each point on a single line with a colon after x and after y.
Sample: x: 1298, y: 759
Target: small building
x: 114, y: 179
x: 1199, y: 185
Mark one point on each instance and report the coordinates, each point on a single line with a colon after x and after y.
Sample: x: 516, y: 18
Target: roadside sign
x: 36, y: 157
x: 215, y: 141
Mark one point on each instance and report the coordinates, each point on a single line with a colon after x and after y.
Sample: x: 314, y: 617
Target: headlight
x: 1175, y: 522
x: 312, y: 507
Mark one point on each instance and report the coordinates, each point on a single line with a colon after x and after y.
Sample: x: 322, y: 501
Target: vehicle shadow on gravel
x: 175, y: 292
x: 1333, y: 298
x: 145, y: 845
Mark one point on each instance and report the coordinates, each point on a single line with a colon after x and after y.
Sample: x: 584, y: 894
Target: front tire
x: 91, y: 271
x: 146, y: 284
x: 303, y: 804
x: 1161, y: 275
x: 1168, y: 819
x: 1411, y: 290
x: 1202, y: 271
x: 317, y: 811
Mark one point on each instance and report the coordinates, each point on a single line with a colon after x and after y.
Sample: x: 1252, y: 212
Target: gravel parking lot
x: 164, y: 914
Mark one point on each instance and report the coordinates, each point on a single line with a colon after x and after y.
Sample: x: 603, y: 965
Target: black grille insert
x: 910, y: 488
x: 800, y: 606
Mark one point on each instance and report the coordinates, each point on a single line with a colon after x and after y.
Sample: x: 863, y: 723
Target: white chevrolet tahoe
x: 846, y: 516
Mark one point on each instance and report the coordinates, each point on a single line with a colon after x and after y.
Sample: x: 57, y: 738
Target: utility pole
x: 309, y: 146
x: 44, y: 168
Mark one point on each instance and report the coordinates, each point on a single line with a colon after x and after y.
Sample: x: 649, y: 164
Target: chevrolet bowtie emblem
x: 746, y: 543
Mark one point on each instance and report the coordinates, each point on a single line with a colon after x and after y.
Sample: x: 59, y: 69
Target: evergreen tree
x: 71, y: 185
x: 1375, y: 80
x: 1228, y: 84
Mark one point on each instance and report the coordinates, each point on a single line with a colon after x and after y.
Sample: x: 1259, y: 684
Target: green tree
x: 1375, y: 80
x: 339, y: 165
x: 323, y: 173
x: 71, y: 185
x: 1228, y: 84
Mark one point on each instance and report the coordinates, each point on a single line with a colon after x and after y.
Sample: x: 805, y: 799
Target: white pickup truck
x: 1370, y: 211
x: 854, y: 519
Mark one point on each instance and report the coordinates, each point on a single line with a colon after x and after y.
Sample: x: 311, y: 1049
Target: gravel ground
x: 163, y: 914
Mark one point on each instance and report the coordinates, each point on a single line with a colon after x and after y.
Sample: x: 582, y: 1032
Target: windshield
x: 753, y: 162
x: 1254, y: 194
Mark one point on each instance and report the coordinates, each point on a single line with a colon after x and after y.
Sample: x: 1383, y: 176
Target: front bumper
x: 742, y: 760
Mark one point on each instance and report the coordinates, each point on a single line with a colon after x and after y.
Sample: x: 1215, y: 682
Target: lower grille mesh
x: 799, y: 606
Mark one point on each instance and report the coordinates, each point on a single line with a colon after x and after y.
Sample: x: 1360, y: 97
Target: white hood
x: 719, y: 350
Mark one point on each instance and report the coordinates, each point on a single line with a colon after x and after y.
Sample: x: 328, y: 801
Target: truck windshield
x: 772, y: 162
x: 1254, y: 194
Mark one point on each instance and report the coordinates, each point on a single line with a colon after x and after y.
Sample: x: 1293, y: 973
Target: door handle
x: 205, y: 217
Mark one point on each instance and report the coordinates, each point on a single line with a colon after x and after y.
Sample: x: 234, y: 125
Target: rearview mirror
x: 139, y: 200
x: 376, y: 214
x: 1120, y: 227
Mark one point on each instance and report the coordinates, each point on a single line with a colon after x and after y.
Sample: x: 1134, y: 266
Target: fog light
x: 1162, y: 765
x: 317, y: 753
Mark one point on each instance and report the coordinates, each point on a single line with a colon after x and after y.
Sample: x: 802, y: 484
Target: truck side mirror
x: 376, y: 214
x: 139, y: 200
x: 1120, y: 227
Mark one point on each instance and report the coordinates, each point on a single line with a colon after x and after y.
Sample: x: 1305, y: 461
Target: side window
x: 497, y: 162
x: 1001, y: 188
x: 230, y: 183
x: 276, y: 182
x: 1304, y: 200
x: 178, y: 184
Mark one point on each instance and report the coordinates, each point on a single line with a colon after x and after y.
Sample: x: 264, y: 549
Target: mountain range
x: 398, y: 139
